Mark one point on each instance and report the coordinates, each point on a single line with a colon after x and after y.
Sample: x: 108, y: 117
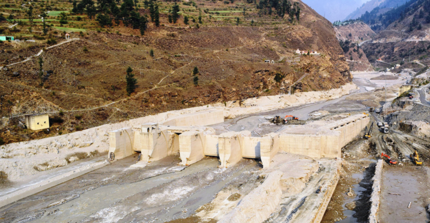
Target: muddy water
x: 159, y: 192
x: 352, y: 209
x: 401, y: 186
x: 362, y: 192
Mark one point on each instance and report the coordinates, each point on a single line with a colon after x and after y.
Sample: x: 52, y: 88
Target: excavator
x: 388, y: 159
x: 416, y: 158
x: 278, y: 120
x: 290, y: 117
x: 367, y: 133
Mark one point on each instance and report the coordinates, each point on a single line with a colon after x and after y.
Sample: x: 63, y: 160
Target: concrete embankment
x: 376, y: 192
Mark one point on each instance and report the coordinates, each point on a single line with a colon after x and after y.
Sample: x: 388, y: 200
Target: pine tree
x: 30, y: 17
x: 152, y: 10
x: 157, y: 16
x: 175, y: 13
x: 74, y: 9
x: 298, y: 13
x: 44, y: 15
x: 131, y: 81
x: 186, y: 20
x: 40, y: 68
x: 195, y: 70
x: 142, y: 21
x: 196, y: 80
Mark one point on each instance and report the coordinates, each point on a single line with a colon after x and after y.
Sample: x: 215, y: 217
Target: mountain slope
x: 379, y: 5
x: 404, y: 39
x: 351, y: 36
x: 87, y: 85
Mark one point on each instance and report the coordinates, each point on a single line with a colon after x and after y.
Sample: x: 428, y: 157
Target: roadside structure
x: 37, y: 121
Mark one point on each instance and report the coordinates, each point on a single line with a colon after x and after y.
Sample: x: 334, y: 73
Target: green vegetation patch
x: 225, y: 11
x: 225, y: 16
x: 37, y: 20
x: 13, y: 9
x: 56, y: 13
x: 70, y: 29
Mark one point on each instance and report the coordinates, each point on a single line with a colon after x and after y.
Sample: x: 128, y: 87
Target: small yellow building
x: 37, y: 121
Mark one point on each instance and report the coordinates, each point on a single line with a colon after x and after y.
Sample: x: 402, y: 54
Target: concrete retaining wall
x: 121, y: 143
x: 376, y: 192
x: 193, y: 143
x: 229, y: 147
x: 322, y: 141
x: 211, y: 145
x: 191, y: 147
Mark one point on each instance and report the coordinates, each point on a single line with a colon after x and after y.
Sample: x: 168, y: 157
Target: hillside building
x: 37, y: 121
x: 6, y: 38
x: 303, y: 52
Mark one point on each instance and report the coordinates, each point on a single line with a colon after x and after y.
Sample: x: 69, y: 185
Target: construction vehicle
x: 416, y: 158
x: 277, y: 120
x: 385, y: 128
x: 388, y: 159
x: 367, y: 133
x: 290, y: 117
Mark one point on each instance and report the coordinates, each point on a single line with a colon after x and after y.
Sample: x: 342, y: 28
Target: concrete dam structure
x: 192, y: 143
